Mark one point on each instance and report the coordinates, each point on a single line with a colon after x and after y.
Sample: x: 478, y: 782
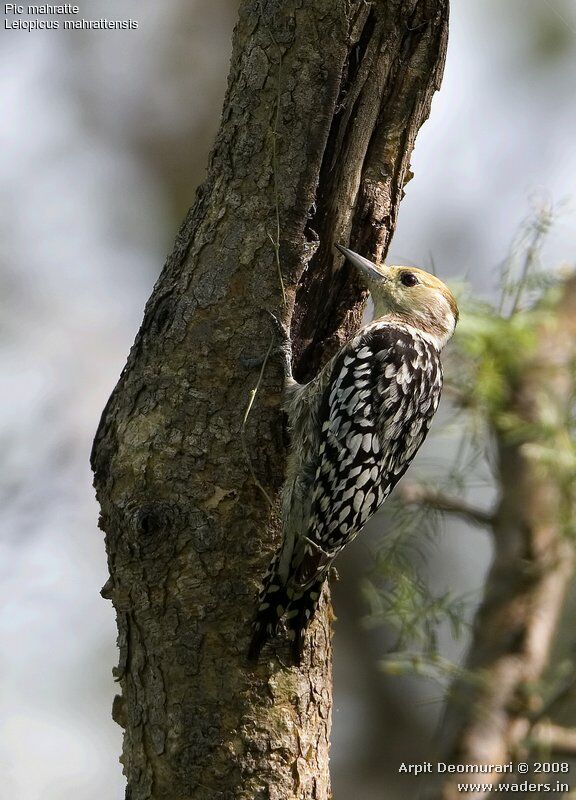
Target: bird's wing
x: 376, y: 412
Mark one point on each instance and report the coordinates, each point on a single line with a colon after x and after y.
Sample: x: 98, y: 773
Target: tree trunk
x: 324, y: 101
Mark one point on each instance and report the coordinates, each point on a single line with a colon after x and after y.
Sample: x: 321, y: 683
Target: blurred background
x: 104, y: 138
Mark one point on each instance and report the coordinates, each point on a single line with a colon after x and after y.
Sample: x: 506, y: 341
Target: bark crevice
x: 393, y: 66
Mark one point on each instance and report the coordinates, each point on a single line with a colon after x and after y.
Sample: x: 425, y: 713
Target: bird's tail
x: 274, y: 604
x: 301, y: 613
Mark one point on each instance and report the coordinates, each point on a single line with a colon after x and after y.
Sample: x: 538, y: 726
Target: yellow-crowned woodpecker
x: 354, y: 429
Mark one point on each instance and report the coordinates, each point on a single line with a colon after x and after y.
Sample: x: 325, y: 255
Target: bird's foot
x: 284, y: 345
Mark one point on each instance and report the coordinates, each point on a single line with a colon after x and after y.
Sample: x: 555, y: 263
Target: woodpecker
x: 354, y: 429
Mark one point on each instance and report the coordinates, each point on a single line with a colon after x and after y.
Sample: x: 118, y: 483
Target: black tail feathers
x: 299, y: 611
x: 301, y: 614
x: 273, y: 605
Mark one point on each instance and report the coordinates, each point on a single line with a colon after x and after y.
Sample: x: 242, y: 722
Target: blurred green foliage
x: 492, y: 349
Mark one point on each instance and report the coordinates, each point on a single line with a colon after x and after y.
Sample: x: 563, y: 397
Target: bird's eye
x: 408, y: 279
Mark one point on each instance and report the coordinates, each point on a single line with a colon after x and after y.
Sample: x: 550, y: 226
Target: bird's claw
x: 285, y: 343
x: 281, y: 329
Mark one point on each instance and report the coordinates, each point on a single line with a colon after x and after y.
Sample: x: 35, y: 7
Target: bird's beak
x: 366, y: 268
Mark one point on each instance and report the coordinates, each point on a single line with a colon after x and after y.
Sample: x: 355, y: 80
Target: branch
x: 533, y: 564
x: 417, y: 494
x: 557, y: 699
x: 553, y: 738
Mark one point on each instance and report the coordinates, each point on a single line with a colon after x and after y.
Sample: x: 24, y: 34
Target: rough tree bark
x: 324, y: 101
x: 493, y: 717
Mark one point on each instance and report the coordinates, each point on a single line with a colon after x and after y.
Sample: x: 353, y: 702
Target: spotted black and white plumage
x: 354, y: 430
x: 384, y: 390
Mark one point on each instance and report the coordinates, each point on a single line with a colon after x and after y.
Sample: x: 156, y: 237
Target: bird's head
x: 409, y: 295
